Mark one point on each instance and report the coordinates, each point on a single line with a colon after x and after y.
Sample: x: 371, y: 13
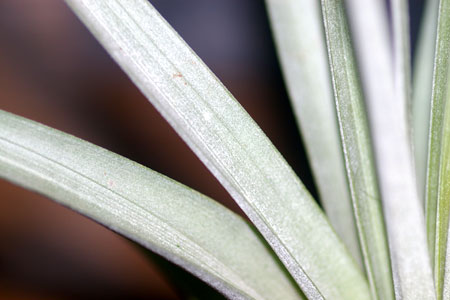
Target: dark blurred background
x: 54, y: 72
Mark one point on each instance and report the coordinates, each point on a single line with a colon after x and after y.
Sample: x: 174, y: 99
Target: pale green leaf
x: 358, y: 155
x: 300, y: 41
x: 422, y: 86
x: 438, y: 176
x: 445, y: 192
x: 402, y: 57
x: 443, y: 197
x: 228, y: 141
x: 388, y: 121
x: 174, y: 221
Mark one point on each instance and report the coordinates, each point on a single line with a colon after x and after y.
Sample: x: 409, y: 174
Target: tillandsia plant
x: 380, y: 163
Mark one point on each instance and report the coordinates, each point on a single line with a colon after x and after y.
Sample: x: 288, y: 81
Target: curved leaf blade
x: 228, y: 141
x: 299, y: 37
x: 388, y: 120
x: 166, y: 217
x: 357, y: 150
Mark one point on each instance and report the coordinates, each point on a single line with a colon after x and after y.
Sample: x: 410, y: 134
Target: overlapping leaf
x: 174, y: 221
x: 422, y: 87
x: 388, y: 120
x: 300, y: 41
x: 356, y: 143
x: 227, y: 140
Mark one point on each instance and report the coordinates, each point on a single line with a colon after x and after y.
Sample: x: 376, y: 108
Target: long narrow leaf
x: 445, y: 190
x: 227, y: 140
x: 444, y: 193
x: 357, y: 151
x: 300, y: 41
x: 176, y: 222
x: 438, y: 176
x: 402, y: 63
x: 388, y: 120
x: 422, y: 86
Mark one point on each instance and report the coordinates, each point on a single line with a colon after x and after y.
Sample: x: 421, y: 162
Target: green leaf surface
x: 172, y: 220
x: 422, y: 87
x: 438, y: 171
x: 442, y: 272
x: 357, y: 150
x: 228, y: 141
x: 388, y: 121
x: 299, y: 36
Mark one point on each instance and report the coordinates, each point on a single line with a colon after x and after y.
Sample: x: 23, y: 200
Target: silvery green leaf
x: 401, y: 56
x: 358, y: 155
x: 438, y: 169
x: 174, y: 221
x: 299, y: 36
x: 388, y: 120
x: 422, y: 86
x: 228, y: 141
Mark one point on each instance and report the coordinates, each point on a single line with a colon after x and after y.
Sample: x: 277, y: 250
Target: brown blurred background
x: 54, y: 72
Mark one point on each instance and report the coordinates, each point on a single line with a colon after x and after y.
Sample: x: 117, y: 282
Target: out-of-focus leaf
x: 389, y: 124
x: 422, y: 86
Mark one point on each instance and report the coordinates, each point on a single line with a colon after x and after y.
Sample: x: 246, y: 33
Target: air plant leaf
x: 388, y: 121
x: 357, y: 151
x: 441, y: 267
x: 442, y: 272
x: 402, y: 61
x: 299, y: 37
x: 228, y: 141
x: 422, y: 86
x: 174, y: 221
x: 438, y: 170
